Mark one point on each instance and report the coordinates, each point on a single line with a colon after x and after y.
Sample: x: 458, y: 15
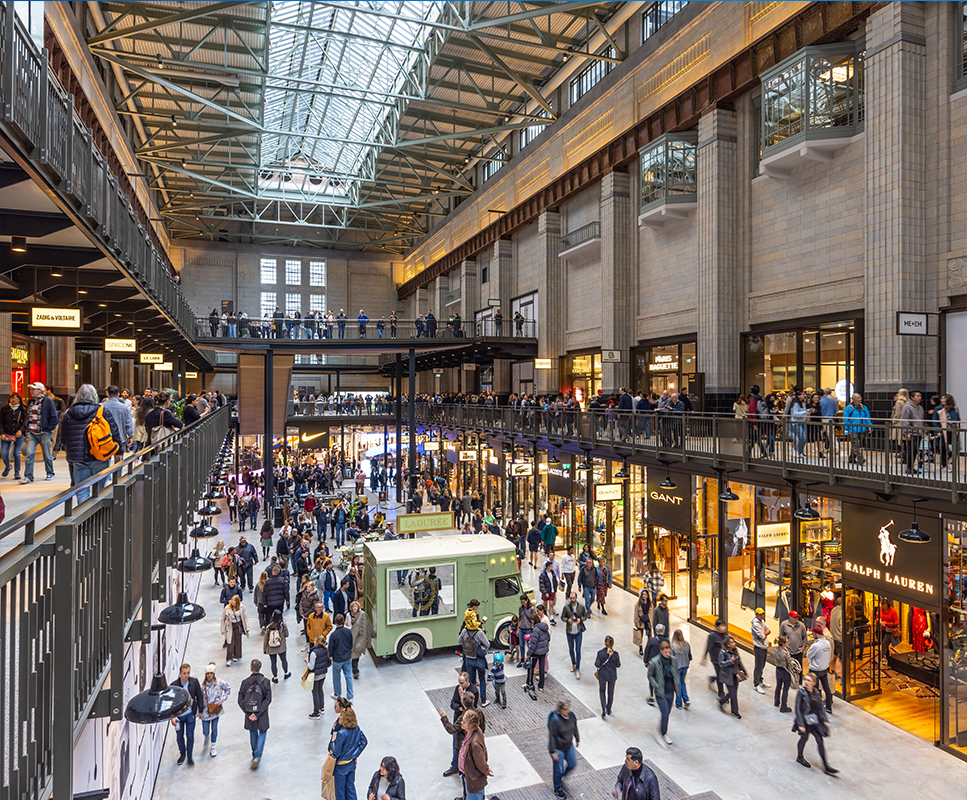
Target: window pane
x: 658, y: 14
x: 268, y: 303
x: 317, y: 302
x: 317, y: 273
x: 427, y: 591
x: 293, y: 303
x: 269, y: 271
x: 582, y: 83
x: 293, y: 272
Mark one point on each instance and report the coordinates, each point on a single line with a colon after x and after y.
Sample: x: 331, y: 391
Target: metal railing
x: 39, y: 116
x: 585, y: 233
x: 339, y: 330
x: 337, y: 406
x: 453, y: 296
x: 876, y: 451
x: 74, y: 592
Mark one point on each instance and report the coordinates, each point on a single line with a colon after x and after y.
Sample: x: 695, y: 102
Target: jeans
x: 500, y: 694
x: 232, y: 328
x: 470, y: 795
x: 81, y: 471
x: 822, y: 677
x: 185, y: 728
x: 344, y: 668
x: 760, y: 663
x: 327, y: 599
x: 210, y: 726
x: 683, y: 691
x: 783, y: 681
x: 17, y: 445
x: 570, y: 757
x: 606, y: 695
x: 478, y: 676
x: 589, y: 595
x: 574, y: 649
x: 274, y: 658
x: 522, y: 644
x: 340, y: 534
x: 342, y: 330
x: 33, y: 439
x: 345, y: 781
x: 257, y: 739
x: 798, y: 433
x: 665, y: 706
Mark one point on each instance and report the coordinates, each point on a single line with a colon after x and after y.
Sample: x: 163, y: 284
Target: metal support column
x: 589, y: 506
x: 795, y: 577
x: 720, y: 557
x: 267, y: 443
x: 411, y: 412
x: 537, y: 484
x: 399, y: 428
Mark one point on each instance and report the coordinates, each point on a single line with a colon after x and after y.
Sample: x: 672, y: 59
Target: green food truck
x: 417, y: 591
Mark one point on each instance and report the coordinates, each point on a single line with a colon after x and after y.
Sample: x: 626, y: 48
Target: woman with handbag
x: 786, y: 667
x: 642, y: 629
x: 731, y: 673
x: 274, y: 644
x: 811, y: 721
x: 346, y: 745
x: 317, y: 665
x: 160, y: 422
x: 606, y: 665
x: 13, y: 423
x: 216, y: 693
x: 234, y: 623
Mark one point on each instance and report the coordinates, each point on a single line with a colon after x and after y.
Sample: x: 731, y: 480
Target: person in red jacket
x: 888, y: 621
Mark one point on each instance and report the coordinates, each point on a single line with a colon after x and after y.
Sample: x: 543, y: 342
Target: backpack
x: 253, y: 697
x: 275, y: 638
x: 99, y: 437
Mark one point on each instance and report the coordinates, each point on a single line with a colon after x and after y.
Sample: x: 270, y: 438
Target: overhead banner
x: 62, y: 318
x: 120, y: 346
x: 152, y: 358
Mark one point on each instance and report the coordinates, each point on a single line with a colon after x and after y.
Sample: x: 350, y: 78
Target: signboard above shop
x: 669, y: 507
x: 607, y: 491
x: 62, y: 318
x: 163, y: 367
x: 521, y: 470
x: 468, y: 455
x: 120, y: 346
x: 152, y: 358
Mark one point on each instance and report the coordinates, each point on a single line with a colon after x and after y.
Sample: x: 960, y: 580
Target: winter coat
x: 396, y: 790
x: 13, y: 420
x: 261, y: 722
x: 362, y: 630
x: 268, y: 649
x: 307, y: 603
x: 230, y: 619
x: 74, y: 431
x: 275, y: 593
x: 318, y: 626
x: 540, y: 641
x: 475, y: 767
x: 607, y: 666
x: 656, y: 673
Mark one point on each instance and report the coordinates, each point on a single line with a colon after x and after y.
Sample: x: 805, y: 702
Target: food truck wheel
x: 502, y: 638
x: 410, y: 649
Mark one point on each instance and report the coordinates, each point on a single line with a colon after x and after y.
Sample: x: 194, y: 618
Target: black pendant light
x: 668, y: 483
x: 913, y: 534
x: 214, y: 494
x: 182, y: 612
x: 728, y: 495
x: 806, y: 512
x: 586, y: 465
x: 203, y: 532
x: 211, y: 510
x: 160, y: 702
x: 507, y: 448
x: 622, y: 474
x: 194, y: 563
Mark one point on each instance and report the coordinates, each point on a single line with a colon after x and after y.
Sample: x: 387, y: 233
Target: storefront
x: 556, y: 470
x: 582, y: 375
x: 28, y: 363
x: 665, y: 366
x: 814, y: 355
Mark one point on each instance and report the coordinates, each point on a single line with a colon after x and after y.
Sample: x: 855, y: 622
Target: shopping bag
x: 328, y: 781
x: 636, y: 637
x: 308, y: 678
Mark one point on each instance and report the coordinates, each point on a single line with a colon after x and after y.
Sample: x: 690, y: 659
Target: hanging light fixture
x: 160, y: 702
x: 622, y: 474
x: 913, y: 534
x: 586, y: 465
x: 507, y: 448
x: 182, y: 612
x: 18, y: 244
x: 806, y: 512
x: 203, y: 532
x: 210, y: 510
x: 553, y: 459
x: 728, y: 495
x: 194, y: 563
x: 668, y: 483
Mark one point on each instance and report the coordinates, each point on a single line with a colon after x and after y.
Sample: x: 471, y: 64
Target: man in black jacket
x: 651, y: 650
x: 562, y: 739
x: 341, y: 652
x: 635, y: 780
x: 185, y: 724
x: 275, y: 593
x: 248, y: 558
x: 713, y: 647
x: 254, y: 698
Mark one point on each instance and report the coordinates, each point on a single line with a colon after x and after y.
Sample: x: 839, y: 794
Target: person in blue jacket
x: 856, y: 424
x: 346, y: 745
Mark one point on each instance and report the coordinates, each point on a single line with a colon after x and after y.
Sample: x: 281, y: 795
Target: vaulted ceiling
x: 344, y: 125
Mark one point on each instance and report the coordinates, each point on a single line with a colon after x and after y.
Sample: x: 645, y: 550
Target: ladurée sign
x: 876, y: 559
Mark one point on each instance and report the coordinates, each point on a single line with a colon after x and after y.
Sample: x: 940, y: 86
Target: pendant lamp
x: 160, y: 702
x: 913, y: 534
x: 622, y: 474
x: 203, y: 532
x: 182, y: 612
x: 668, y: 483
x: 553, y: 460
x: 194, y: 563
x: 728, y: 495
x: 211, y: 510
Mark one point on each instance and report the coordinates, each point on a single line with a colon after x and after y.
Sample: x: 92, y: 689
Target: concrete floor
x: 751, y: 758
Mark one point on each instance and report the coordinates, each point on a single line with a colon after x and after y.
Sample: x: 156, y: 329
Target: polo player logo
x: 887, y: 548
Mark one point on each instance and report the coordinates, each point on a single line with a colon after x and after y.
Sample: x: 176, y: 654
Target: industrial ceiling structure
x: 344, y: 125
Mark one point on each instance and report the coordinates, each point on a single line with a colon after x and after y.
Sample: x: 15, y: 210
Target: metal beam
x: 523, y: 81
x: 205, y: 10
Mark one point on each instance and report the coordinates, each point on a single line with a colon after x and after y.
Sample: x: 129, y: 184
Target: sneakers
x: 737, y: 716
x: 212, y: 751
x: 288, y: 675
x: 759, y: 689
x: 49, y: 478
x: 181, y: 759
x: 577, y: 674
x: 25, y: 479
x: 765, y: 685
x: 572, y: 667
x: 485, y: 703
x: 254, y: 764
x: 667, y: 739
x: 559, y: 793
x: 6, y: 472
x: 275, y: 680
x: 315, y: 715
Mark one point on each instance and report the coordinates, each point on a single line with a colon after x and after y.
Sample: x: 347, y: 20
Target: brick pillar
x: 470, y: 302
x: 6, y: 342
x: 438, y: 302
x: 719, y: 283
x: 616, y: 277
x: 550, y: 301
x: 895, y: 164
x: 502, y: 285
x: 126, y: 376
x: 100, y: 370
x: 61, y: 376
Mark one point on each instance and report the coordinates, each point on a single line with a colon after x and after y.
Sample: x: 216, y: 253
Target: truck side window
x: 506, y: 587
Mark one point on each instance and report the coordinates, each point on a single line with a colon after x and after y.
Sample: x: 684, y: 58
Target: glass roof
x: 346, y: 63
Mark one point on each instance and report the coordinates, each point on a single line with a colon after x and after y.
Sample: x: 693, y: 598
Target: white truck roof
x: 439, y: 547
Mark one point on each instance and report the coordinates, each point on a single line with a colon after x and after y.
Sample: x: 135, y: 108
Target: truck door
x: 475, y: 586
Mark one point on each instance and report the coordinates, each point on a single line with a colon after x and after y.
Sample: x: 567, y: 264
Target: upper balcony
x: 812, y: 105
x: 583, y: 242
x: 669, y: 188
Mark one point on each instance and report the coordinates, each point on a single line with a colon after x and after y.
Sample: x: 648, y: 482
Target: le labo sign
x: 876, y: 559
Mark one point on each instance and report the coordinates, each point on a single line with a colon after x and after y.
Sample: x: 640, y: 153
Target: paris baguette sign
x: 875, y: 558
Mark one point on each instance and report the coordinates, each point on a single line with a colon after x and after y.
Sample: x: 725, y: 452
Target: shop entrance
x: 893, y: 671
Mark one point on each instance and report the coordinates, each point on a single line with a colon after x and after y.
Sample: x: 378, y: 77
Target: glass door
x: 862, y: 666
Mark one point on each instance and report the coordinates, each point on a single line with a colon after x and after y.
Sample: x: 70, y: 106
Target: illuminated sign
x: 19, y: 355
x: 152, y: 358
x: 607, y: 491
x: 120, y: 346
x: 468, y: 455
x: 522, y: 470
x: 416, y: 523
x: 542, y: 363
x: 777, y: 534
x: 42, y: 317
x: 164, y: 367
x: 431, y: 447
x: 191, y: 374
x: 666, y: 363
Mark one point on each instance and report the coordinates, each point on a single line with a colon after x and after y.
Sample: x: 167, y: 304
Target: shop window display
x: 705, y: 568
x: 955, y: 645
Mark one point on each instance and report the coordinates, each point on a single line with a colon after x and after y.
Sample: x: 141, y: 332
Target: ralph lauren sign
x: 875, y: 558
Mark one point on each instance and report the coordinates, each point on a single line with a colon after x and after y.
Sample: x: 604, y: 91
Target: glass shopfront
x: 556, y: 470
x: 28, y: 362
x: 661, y: 367
x: 826, y: 355
x: 582, y: 375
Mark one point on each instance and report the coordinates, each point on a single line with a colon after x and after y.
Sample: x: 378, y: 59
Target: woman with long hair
x: 274, y: 644
x: 642, y: 620
x: 266, y: 535
x: 234, y: 624
x: 606, y: 665
x: 216, y: 555
x: 258, y: 595
x: 140, y: 427
x: 387, y: 783
x: 473, y: 756
x: 13, y: 423
x: 362, y: 629
x: 346, y: 745
x: 811, y: 721
x: 216, y: 693
x: 682, y: 656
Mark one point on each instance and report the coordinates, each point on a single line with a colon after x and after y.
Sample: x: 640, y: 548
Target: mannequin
x: 828, y: 599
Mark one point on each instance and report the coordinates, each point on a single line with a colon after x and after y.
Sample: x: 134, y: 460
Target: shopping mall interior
x: 421, y: 296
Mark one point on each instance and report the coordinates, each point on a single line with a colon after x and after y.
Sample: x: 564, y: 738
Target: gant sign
x: 662, y: 497
x: 666, y: 507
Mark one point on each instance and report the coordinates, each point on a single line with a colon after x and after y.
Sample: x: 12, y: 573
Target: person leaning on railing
x: 856, y: 424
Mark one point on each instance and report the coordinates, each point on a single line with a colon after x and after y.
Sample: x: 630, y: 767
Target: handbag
x: 214, y: 708
x: 328, y: 781
x: 636, y: 636
x: 741, y: 675
x: 812, y: 720
x: 308, y: 679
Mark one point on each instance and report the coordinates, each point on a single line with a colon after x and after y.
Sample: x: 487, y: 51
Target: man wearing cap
x: 41, y: 423
x: 819, y: 654
x: 796, y: 633
x: 760, y: 640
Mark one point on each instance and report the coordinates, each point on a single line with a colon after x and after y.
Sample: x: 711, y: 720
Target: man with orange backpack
x: 91, y: 438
